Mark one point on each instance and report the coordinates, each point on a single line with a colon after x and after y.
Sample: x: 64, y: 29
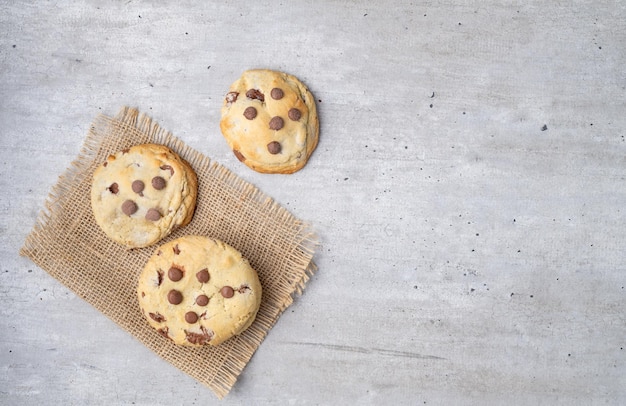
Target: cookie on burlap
x: 197, y: 290
x: 141, y: 194
x: 269, y: 120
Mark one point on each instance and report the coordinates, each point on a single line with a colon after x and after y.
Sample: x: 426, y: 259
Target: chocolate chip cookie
x: 141, y: 194
x: 269, y: 120
x: 196, y: 291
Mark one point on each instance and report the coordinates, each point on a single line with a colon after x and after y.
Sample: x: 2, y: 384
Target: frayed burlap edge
x: 67, y: 244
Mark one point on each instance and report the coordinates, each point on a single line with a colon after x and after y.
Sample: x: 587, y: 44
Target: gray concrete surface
x: 468, y: 191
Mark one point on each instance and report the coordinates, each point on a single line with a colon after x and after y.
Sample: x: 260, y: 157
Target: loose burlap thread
x: 67, y: 243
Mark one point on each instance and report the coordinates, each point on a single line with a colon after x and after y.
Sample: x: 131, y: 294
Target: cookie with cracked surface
x: 269, y: 120
x: 141, y: 194
x: 198, y: 291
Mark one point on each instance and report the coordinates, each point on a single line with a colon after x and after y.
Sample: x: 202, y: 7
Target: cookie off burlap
x: 68, y: 244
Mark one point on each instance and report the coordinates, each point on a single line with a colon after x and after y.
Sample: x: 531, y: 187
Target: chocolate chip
x: 138, y: 186
x: 231, y: 97
x: 202, y: 300
x: 294, y: 114
x: 114, y: 188
x: 129, y: 207
x: 203, y: 276
x: 227, y: 292
x: 249, y: 113
x: 153, y: 215
x: 164, y: 332
x: 157, y: 317
x: 160, y: 277
x: 176, y: 249
x: 274, y: 147
x: 239, y: 155
x: 199, y: 338
x: 174, y: 297
x: 277, y: 93
x: 167, y: 168
x: 191, y: 317
x: 158, y: 183
x: 175, y: 274
x: 255, y: 94
x: 276, y: 123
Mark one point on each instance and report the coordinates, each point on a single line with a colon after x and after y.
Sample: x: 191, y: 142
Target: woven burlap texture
x: 67, y: 243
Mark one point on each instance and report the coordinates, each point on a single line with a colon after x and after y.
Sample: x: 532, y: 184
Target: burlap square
x: 68, y: 244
